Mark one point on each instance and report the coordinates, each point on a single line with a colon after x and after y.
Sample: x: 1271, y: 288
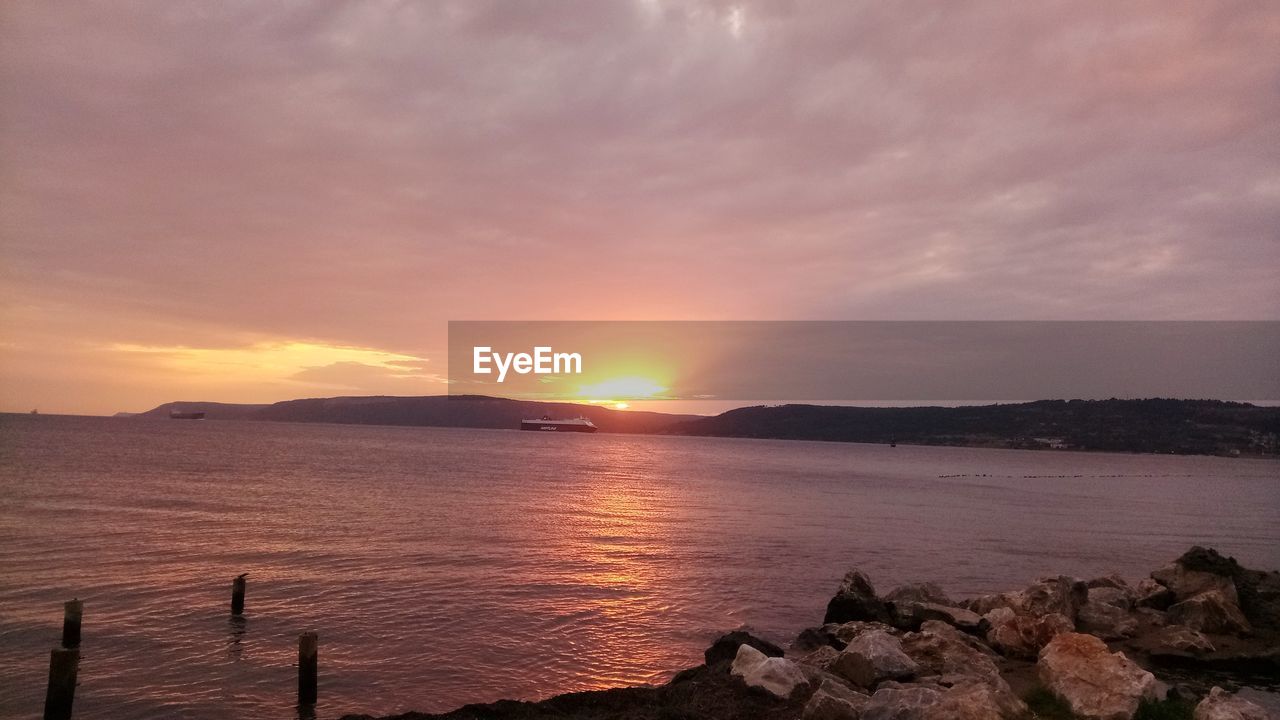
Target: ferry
x: 546, y: 424
x: 179, y: 415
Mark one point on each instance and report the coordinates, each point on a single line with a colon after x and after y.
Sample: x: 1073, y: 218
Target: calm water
x: 445, y: 566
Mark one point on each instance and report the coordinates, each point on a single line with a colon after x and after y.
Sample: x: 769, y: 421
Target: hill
x: 1201, y: 427
x: 1153, y: 426
x: 474, y: 411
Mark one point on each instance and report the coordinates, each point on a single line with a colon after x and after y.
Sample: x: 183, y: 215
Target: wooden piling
x: 237, y: 595
x: 308, y: 664
x: 64, y: 663
x: 72, y: 611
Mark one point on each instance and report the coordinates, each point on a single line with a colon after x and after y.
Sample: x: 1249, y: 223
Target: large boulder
x: 872, y: 657
x: 968, y: 700
x: 856, y: 600
x: 1020, y: 635
x: 984, y: 604
x: 812, y: 638
x: 1185, y: 583
x: 1152, y: 595
x: 725, y: 648
x: 834, y: 701
x: 973, y: 700
x: 1222, y: 705
x: 903, y: 703
x: 775, y: 675
x: 1211, y: 611
x: 1095, y: 683
x: 1062, y: 595
x: 941, y: 650
x: 1113, y: 580
x: 918, y: 592
x: 1122, y: 598
x: 846, y: 632
x: 1258, y: 592
x: 1107, y: 621
x: 1177, y: 641
x: 960, y: 661
x: 910, y: 615
x: 820, y: 658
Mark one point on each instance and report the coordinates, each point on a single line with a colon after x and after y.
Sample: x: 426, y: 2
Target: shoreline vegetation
x: 1163, y: 426
x: 1174, y: 645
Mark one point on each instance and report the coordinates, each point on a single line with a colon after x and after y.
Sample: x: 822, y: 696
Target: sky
x: 250, y: 202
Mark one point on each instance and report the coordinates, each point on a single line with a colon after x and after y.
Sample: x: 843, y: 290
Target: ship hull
x: 186, y: 416
x: 556, y: 427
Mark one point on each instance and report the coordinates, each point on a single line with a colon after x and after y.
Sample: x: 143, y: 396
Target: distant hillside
x: 212, y: 410
x: 1156, y: 426
x: 475, y: 411
x: 1202, y: 427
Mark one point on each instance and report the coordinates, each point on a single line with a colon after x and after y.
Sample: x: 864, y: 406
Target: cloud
x: 370, y: 379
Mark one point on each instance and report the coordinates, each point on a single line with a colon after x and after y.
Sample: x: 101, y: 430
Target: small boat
x: 546, y: 424
x: 180, y: 415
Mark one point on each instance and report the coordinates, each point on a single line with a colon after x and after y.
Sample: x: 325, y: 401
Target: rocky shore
x: 1173, y: 645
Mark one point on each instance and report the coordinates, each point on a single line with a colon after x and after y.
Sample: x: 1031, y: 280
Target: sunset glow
x: 624, y: 388
x: 315, y: 230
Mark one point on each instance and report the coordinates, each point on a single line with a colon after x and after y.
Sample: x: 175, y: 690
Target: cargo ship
x: 546, y: 424
x: 180, y: 415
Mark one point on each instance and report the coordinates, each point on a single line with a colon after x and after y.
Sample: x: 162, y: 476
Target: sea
x: 450, y: 566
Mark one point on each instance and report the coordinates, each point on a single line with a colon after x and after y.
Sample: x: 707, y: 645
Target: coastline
x: 985, y: 444
x: 1187, y: 641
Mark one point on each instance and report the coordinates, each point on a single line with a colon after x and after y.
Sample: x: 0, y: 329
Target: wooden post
x: 72, y: 611
x: 308, y: 664
x: 63, y: 665
x: 237, y: 595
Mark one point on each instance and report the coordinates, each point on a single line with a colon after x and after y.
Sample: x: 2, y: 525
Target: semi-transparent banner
x: 824, y: 361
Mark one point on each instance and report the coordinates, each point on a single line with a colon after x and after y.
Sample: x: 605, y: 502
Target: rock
x: 846, y: 632
x: 1212, y: 612
x: 1062, y: 595
x: 961, y: 662
x: 1151, y: 594
x: 1150, y: 617
x: 1106, y: 621
x: 1186, y: 584
x: 984, y: 604
x: 812, y: 638
x: 1260, y: 598
x: 1019, y: 635
x: 1222, y: 705
x: 910, y: 615
x: 725, y: 647
x: 1258, y: 592
x: 1178, y: 640
x: 902, y: 703
x: 1109, y: 581
x: 972, y: 700
x: 820, y: 658
x: 776, y: 675
x: 968, y: 700
x: 1095, y: 683
x: 920, y: 593
x: 856, y: 600
x: 940, y: 649
x: 1122, y: 598
x: 872, y: 657
x: 833, y: 701
x: 1203, y: 559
